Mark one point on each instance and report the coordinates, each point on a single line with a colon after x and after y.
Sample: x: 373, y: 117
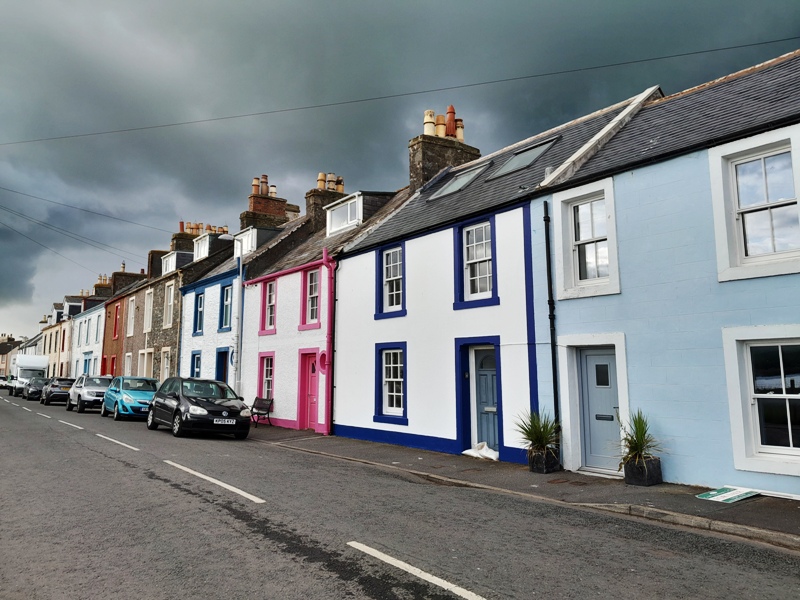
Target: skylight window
x: 523, y: 158
x: 458, y: 182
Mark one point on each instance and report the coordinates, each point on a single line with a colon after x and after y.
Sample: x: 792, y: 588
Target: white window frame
x: 97, y: 329
x: 199, y: 312
x: 268, y: 376
x: 731, y: 262
x: 312, y: 296
x: 568, y: 283
x: 169, y: 303
x: 386, y: 379
x: 148, y: 311
x: 131, y: 316
x: 271, y: 302
x: 88, y: 323
x: 196, y: 365
x: 748, y: 454
x: 389, y: 279
x: 166, y: 366
x: 145, y: 365
x: 354, y: 210
x: 227, y: 306
x: 487, y: 258
x: 128, y: 364
x: 80, y: 333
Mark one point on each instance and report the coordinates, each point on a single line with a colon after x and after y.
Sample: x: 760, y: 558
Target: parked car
x: 188, y: 404
x: 33, y: 389
x: 56, y: 390
x: 87, y: 392
x: 128, y: 397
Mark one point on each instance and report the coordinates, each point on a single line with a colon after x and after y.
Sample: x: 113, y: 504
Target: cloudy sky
x: 156, y: 111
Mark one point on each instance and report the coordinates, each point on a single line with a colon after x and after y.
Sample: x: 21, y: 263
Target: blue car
x: 129, y: 397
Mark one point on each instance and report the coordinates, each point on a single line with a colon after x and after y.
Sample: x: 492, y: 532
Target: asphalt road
x: 82, y: 516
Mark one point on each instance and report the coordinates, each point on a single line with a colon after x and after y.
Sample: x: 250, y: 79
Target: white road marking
x: 28, y: 409
x: 70, y: 424
x: 116, y: 442
x: 4, y: 400
x: 44, y: 415
x: 255, y: 499
x: 416, y: 572
x: 15, y: 404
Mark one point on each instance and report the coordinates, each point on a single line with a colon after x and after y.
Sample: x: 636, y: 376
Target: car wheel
x: 41, y: 399
x: 241, y: 435
x: 117, y: 414
x: 151, y: 420
x: 69, y: 405
x: 80, y: 405
x: 103, y: 411
x: 46, y: 402
x: 177, y: 425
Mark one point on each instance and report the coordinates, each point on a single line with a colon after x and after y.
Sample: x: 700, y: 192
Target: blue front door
x: 222, y: 366
x: 486, y: 396
x: 600, y: 409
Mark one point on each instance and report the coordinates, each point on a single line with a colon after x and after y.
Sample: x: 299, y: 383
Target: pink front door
x: 308, y: 392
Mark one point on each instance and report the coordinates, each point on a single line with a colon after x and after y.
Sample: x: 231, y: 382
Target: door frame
x: 569, y: 383
x: 303, y: 355
x: 473, y: 390
x: 466, y: 415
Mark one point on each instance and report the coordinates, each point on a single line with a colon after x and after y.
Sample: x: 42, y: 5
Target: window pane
x: 791, y: 368
x: 780, y: 183
x: 794, y: 419
x: 601, y: 375
x: 338, y: 217
x: 587, y: 261
x: 601, y: 256
x: 583, y: 222
x: 750, y: 183
x: 786, y: 226
x: 766, y: 369
x: 758, y: 233
x: 599, y: 218
x: 773, y: 422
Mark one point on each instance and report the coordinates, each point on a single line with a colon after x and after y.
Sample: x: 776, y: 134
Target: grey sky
x: 72, y: 68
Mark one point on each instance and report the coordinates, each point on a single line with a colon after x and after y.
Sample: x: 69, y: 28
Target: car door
x: 76, y: 389
x: 162, y: 404
x: 112, y: 393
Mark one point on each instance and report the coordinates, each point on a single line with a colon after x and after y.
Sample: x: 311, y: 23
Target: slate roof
x: 484, y: 194
x: 739, y: 105
x: 311, y: 249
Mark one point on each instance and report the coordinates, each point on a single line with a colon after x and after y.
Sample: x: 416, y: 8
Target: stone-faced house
x: 122, y: 283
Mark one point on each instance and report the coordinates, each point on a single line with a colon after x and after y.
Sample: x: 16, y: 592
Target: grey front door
x: 600, y: 422
x: 486, y: 396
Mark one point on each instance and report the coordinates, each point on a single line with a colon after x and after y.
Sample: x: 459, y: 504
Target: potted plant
x: 640, y: 464
x: 541, y: 434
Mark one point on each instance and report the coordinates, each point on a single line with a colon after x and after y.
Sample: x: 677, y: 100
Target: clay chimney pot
x: 450, y: 123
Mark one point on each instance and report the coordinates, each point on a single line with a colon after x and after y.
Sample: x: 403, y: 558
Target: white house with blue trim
x: 435, y: 332
x: 87, y: 341
x: 676, y: 269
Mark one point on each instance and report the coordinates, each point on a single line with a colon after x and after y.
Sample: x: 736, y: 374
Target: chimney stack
x: 329, y: 189
x: 440, y: 145
x: 264, y: 209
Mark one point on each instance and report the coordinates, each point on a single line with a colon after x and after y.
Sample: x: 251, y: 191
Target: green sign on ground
x: 727, y: 494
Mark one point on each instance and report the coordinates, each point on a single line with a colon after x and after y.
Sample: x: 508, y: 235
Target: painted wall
x: 81, y: 349
x: 286, y: 344
x: 430, y: 329
x: 669, y: 317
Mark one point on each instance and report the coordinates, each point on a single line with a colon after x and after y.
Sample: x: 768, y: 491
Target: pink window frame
x: 304, y: 324
x: 263, y: 330
x: 261, y: 357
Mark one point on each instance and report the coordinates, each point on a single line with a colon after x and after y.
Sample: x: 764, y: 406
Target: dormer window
x: 524, y: 158
x: 459, y: 181
x: 201, y: 246
x: 344, y: 214
x: 245, y: 242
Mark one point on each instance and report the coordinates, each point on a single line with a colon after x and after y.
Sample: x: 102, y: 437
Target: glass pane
x: 786, y: 226
x: 601, y: 375
x: 599, y: 218
x: 773, y: 422
x: 780, y: 184
x: 791, y: 368
x: 583, y: 222
x: 587, y: 261
x: 338, y: 217
x: 757, y: 233
x: 750, y: 183
x: 765, y: 361
x: 794, y: 419
x: 602, y: 258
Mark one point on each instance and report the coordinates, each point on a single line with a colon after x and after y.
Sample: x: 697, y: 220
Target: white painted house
x: 435, y: 332
x: 87, y: 341
x: 692, y: 313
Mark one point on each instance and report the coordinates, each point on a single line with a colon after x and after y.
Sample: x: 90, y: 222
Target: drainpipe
x: 331, y: 266
x: 551, y: 304
x: 239, y: 327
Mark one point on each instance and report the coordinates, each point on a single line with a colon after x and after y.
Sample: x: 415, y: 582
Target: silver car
x: 88, y: 392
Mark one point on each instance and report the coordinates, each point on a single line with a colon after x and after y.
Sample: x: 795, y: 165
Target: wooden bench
x: 261, y: 408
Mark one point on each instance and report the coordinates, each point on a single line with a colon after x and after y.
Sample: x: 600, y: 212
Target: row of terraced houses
x: 645, y: 256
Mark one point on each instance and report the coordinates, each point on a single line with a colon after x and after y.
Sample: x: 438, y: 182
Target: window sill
x: 223, y: 329
x: 588, y: 290
x: 390, y: 314
x: 767, y: 268
x: 391, y: 420
x: 309, y: 326
x: 777, y: 464
x: 197, y: 333
x: 267, y: 332
x: 465, y: 304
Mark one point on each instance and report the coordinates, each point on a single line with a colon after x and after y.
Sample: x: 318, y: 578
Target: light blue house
x: 675, y: 256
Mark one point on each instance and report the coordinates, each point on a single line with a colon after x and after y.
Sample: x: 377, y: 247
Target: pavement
x: 765, y: 519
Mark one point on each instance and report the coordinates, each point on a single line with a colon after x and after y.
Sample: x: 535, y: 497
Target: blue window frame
x: 194, y: 368
x: 225, y: 307
x: 391, y: 383
x: 199, y: 312
x: 390, y: 282
x: 475, y: 252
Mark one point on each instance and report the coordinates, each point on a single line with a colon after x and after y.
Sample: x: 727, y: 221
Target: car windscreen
x: 140, y: 385
x: 207, y: 389
x: 97, y: 381
x: 38, y: 381
x: 28, y: 373
x: 63, y: 381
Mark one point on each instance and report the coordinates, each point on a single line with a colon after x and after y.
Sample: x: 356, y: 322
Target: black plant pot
x: 646, y: 472
x: 544, y: 462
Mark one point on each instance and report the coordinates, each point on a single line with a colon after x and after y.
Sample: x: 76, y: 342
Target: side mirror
x: 113, y: 389
x: 173, y: 395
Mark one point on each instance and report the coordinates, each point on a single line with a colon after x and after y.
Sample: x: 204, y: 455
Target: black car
x: 56, y: 390
x: 187, y: 404
x: 33, y: 389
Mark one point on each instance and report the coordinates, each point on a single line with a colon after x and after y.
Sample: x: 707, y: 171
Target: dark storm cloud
x: 90, y: 65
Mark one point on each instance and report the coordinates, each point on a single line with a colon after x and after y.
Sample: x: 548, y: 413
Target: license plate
x: 64, y: 389
x: 224, y: 421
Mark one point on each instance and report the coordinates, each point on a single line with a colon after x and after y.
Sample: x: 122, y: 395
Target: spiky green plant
x: 638, y: 443
x: 540, y: 432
